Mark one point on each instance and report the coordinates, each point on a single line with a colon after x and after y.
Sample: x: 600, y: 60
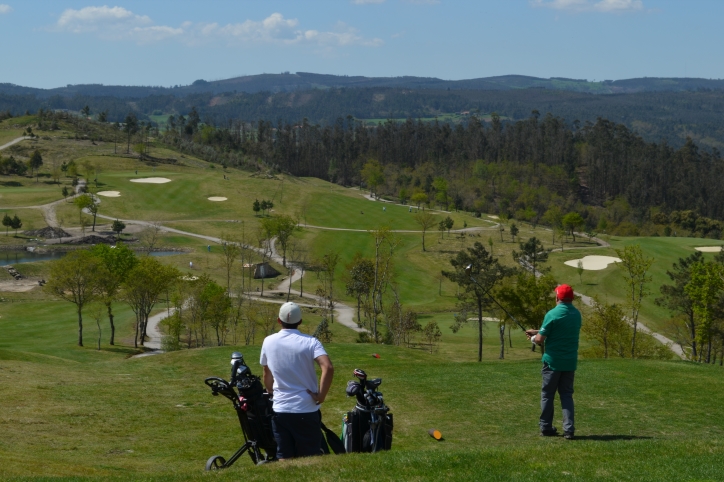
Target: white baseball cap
x: 290, y: 313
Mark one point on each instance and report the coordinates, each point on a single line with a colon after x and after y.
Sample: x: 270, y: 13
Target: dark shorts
x: 297, y: 434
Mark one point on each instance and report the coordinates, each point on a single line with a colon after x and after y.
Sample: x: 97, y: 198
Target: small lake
x: 17, y: 257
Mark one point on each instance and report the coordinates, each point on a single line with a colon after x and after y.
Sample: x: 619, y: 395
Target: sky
x: 52, y: 43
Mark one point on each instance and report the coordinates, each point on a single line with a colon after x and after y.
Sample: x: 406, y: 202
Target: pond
x: 17, y: 257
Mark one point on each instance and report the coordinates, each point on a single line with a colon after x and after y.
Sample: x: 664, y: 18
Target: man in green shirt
x: 560, y: 331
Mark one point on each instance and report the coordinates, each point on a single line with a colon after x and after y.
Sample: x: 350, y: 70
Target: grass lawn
x: 74, y: 412
x: 608, y: 284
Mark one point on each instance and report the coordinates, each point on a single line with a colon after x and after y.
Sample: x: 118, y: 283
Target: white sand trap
x: 152, y: 180
x: 709, y: 249
x: 217, y: 198
x: 493, y: 216
x: 110, y: 193
x: 593, y: 263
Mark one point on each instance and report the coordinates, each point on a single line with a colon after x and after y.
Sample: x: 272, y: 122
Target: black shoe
x: 551, y: 432
x: 568, y: 436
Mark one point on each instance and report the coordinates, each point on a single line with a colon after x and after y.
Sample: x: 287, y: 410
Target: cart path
x: 13, y: 142
x: 675, y: 347
x: 154, y: 334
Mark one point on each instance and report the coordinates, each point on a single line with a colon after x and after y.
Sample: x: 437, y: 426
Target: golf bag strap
x: 333, y: 441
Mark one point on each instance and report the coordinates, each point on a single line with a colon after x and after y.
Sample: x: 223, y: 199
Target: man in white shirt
x: 288, y: 359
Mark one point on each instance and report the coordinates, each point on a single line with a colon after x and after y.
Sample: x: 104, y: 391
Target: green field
x: 75, y: 412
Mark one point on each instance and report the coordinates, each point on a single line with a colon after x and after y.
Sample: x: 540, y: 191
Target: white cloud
x: 605, y: 6
x: 92, y: 19
x: 275, y: 29
x: 5, y: 9
x: 367, y: 2
x: 117, y: 23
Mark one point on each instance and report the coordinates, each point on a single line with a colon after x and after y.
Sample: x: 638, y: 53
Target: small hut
x: 264, y: 270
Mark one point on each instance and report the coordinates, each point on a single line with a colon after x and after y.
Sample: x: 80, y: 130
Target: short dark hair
x: 287, y: 326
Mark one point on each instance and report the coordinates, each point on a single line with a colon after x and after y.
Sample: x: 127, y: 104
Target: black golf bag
x: 368, y: 427
x: 253, y: 408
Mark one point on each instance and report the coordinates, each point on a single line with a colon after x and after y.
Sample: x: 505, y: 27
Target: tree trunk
x: 94, y: 221
x: 80, y: 326
x: 480, y: 329
x: 135, y: 338
x: 502, y: 341
x: 510, y: 338
x: 692, y: 329
x: 110, y: 319
x: 423, y: 240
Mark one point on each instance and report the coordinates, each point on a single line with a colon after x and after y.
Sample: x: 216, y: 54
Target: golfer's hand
x: 531, y: 333
x: 315, y: 396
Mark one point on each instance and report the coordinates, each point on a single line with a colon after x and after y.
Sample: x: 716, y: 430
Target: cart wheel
x: 216, y: 462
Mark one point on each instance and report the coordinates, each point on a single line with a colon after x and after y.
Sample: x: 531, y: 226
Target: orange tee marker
x: 435, y: 434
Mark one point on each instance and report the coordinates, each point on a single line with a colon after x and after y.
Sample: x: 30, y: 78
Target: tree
x: 214, y: 308
x: 360, y: 276
x: 449, y: 224
x: 130, y: 127
x: 485, y: 272
x: 528, y: 299
x: 16, y: 224
x: 66, y: 192
x: 103, y: 116
x: 385, y: 244
x: 441, y: 228
x: 7, y: 222
x: 329, y: 263
x: 532, y: 253
x: 115, y: 264
x: 282, y: 227
x: 705, y: 289
x: 84, y: 201
x: 571, y: 222
x: 553, y: 217
x: 513, y: 231
x: 372, y: 175
x: 419, y: 198
x: 607, y: 326
x: 635, y: 267
x: 426, y: 221
x: 579, y: 270
x: 117, y: 227
x: 432, y: 334
x: 256, y: 206
x: 231, y: 250
x: 36, y: 161
x: 85, y: 111
x: 143, y: 284
x: 675, y: 298
x: 75, y: 278
x: 149, y: 237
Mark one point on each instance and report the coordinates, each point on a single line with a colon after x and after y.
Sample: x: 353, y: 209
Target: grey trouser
x: 561, y: 382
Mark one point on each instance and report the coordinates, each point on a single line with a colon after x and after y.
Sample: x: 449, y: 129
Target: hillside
x: 287, y: 82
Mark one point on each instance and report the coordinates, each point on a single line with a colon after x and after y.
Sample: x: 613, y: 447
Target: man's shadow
x: 610, y: 438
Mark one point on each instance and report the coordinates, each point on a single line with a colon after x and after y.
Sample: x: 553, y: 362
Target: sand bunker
x: 110, y: 193
x: 593, y: 263
x: 217, y: 198
x: 709, y: 249
x: 493, y: 216
x: 152, y: 180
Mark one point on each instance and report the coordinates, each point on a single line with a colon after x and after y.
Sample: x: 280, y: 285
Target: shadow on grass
x: 610, y: 438
x: 126, y: 350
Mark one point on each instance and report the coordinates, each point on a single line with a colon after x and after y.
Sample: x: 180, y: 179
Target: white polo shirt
x: 290, y: 356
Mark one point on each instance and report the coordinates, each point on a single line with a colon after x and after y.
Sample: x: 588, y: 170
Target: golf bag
x: 368, y: 427
x: 254, y: 410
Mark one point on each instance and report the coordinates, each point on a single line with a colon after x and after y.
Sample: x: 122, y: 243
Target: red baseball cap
x: 564, y: 293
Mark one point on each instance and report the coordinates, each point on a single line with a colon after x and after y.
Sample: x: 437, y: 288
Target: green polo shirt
x: 561, y: 327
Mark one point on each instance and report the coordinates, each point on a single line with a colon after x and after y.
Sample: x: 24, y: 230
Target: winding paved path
x: 13, y: 142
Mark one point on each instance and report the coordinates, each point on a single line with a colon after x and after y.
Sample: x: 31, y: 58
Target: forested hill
x: 521, y: 169
x: 288, y: 82
x: 673, y: 116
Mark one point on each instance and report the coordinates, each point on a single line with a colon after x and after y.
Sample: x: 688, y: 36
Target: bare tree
x: 150, y: 237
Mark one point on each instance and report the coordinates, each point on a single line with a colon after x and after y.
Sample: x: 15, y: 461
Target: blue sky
x: 159, y: 42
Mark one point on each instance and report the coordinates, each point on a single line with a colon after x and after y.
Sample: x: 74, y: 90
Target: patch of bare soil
x: 48, y: 233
